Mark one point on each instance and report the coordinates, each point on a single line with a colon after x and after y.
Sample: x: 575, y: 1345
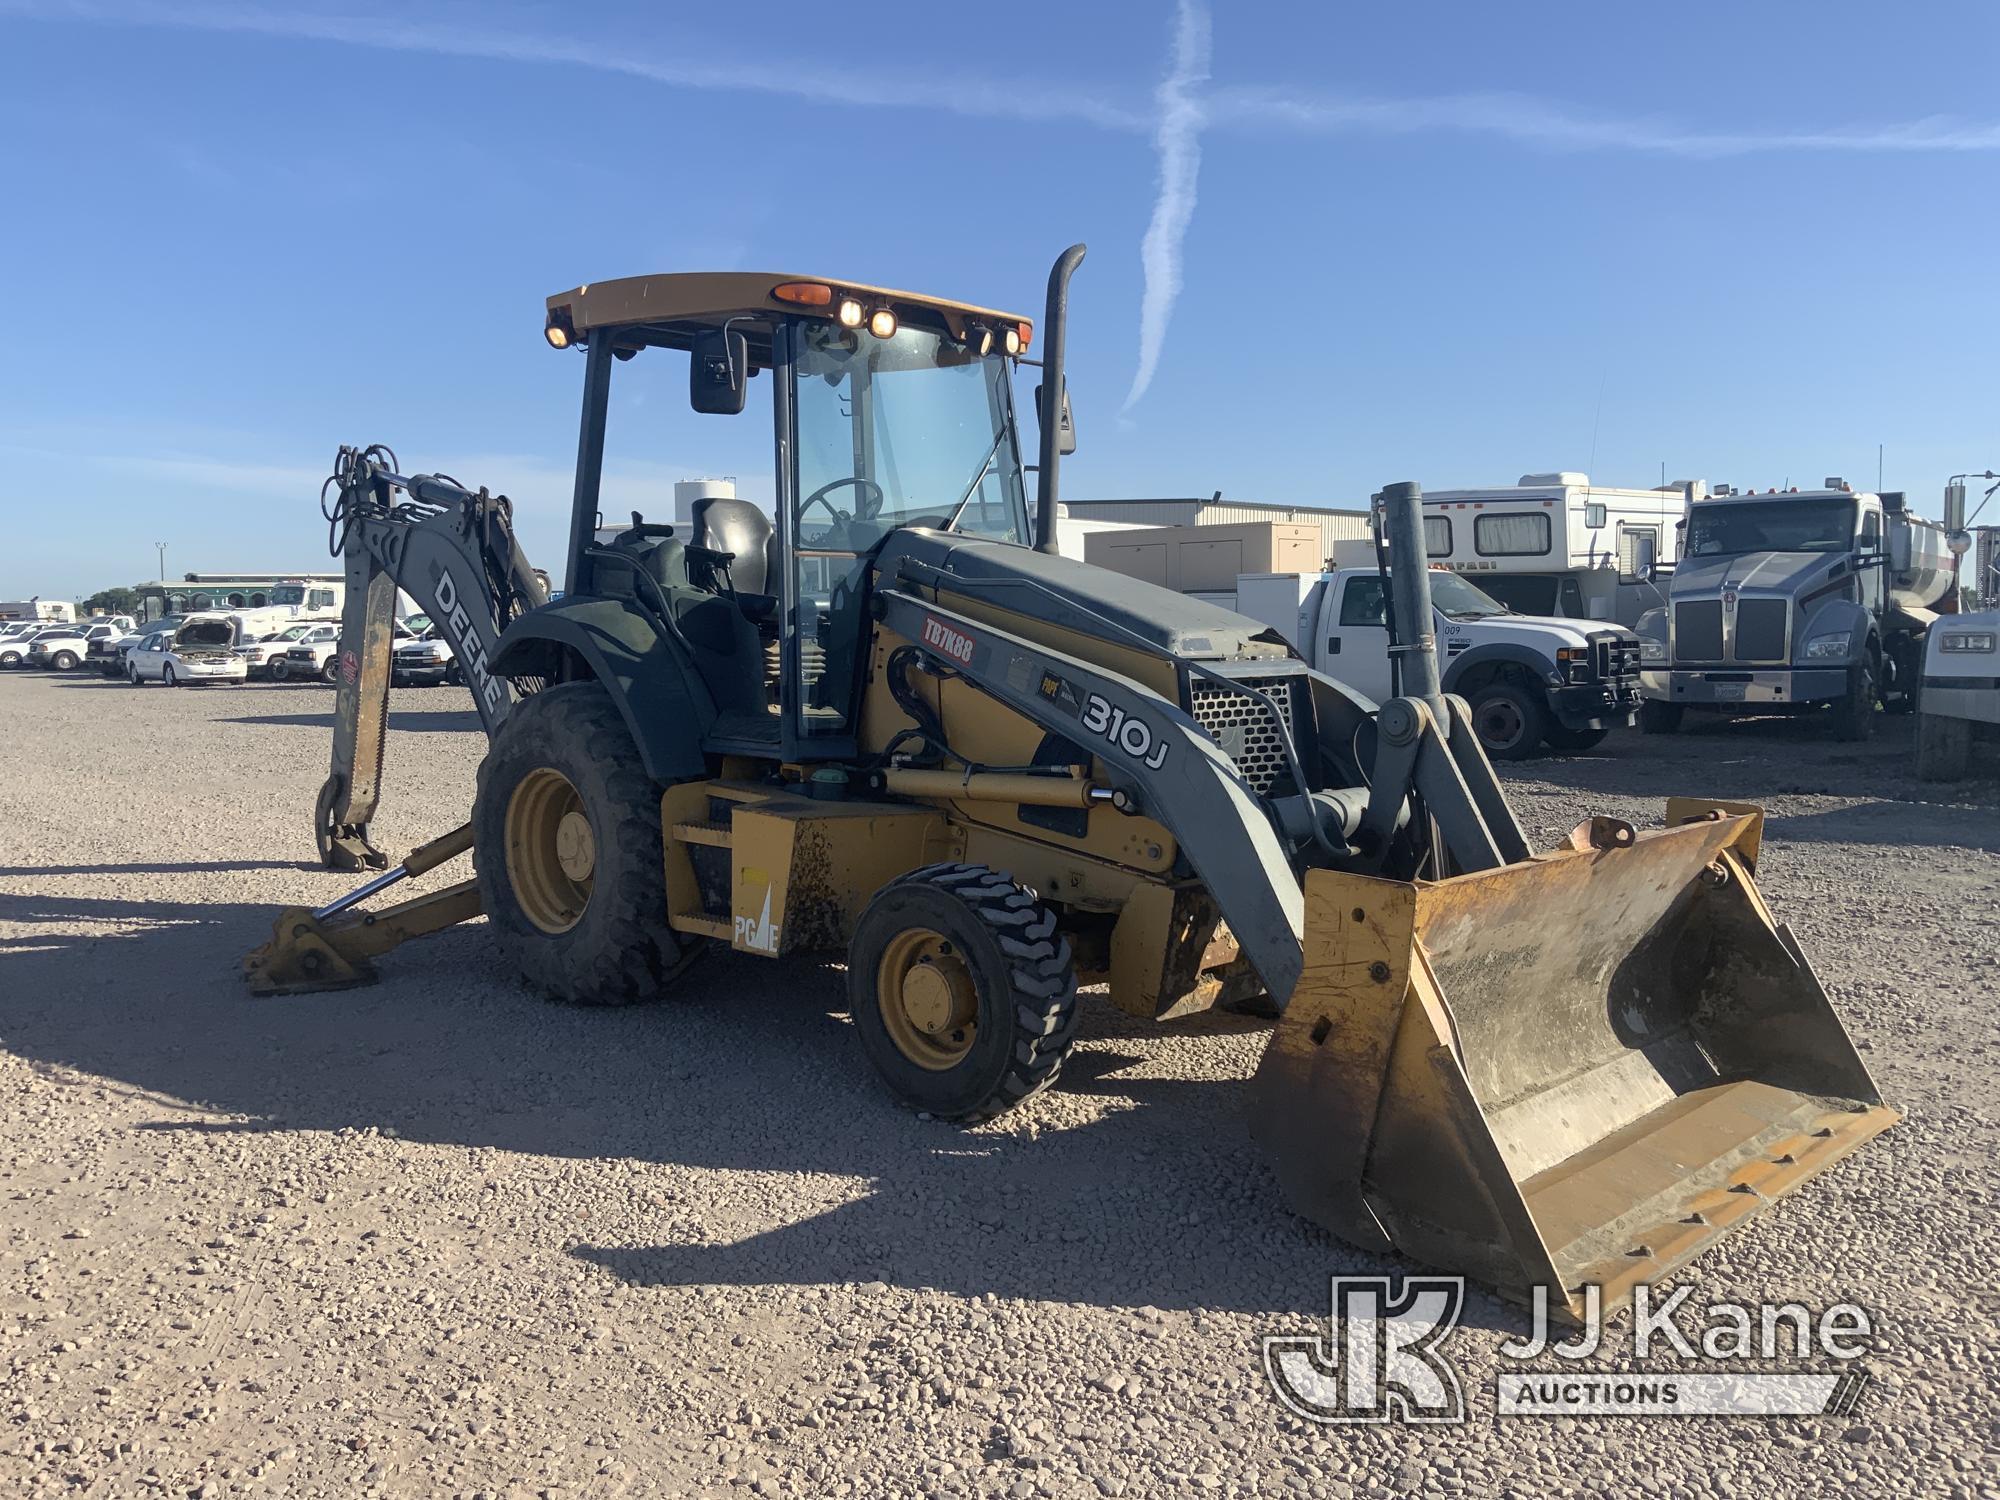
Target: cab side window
x: 1361, y: 603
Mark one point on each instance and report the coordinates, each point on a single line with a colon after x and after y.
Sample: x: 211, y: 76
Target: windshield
x: 1460, y: 600
x: 911, y: 430
x: 1770, y: 526
x: 289, y: 593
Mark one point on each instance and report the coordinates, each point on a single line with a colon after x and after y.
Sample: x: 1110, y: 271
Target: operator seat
x: 741, y: 529
x: 729, y: 651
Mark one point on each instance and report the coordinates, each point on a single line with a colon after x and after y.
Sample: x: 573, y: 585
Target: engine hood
x: 206, y: 637
x: 1547, y: 630
x: 1757, y: 572
x: 1069, y: 593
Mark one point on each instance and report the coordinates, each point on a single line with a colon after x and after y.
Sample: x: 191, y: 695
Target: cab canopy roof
x: 667, y: 311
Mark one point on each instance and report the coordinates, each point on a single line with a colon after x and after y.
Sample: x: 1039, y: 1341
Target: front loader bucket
x: 1580, y: 1069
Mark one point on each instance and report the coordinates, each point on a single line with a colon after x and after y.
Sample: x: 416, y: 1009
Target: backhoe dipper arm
x: 452, y: 550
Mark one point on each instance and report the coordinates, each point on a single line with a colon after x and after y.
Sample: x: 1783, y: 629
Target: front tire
x: 1944, y: 747
x: 329, y: 672
x: 167, y: 678
x: 568, y: 849
x: 1575, y: 741
x: 280, y: 670
x: 1510, y: 721
x: 63, y: 661
x: 1658, y: 717
x: 132, y: 675
x: 963, y: 992
x: 1854, y: 715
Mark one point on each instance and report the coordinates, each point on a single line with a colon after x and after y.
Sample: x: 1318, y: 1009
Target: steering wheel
x: 868, y: 499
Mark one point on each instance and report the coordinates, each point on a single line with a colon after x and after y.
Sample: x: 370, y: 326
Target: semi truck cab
x: 1795, y: 599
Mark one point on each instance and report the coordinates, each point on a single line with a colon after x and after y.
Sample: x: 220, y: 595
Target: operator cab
x: 890, y: 412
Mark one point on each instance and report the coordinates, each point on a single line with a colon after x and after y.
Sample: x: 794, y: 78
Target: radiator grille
x: 1244, y: 728
x: 1760, y: 630
x: 1698, y: 631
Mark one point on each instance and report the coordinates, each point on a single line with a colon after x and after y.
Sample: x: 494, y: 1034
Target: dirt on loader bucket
x: 1582, y: 1069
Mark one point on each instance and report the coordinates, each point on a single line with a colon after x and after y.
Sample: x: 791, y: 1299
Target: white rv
x: 1555, y: 544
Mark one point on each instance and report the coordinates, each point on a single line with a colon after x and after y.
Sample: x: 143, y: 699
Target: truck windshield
x: 1724, y: 530
x: 1459, y: 600
x: 911, y: 430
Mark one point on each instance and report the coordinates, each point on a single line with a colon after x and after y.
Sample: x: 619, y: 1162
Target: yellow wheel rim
x: 551, y: 851
x: 928, y: 998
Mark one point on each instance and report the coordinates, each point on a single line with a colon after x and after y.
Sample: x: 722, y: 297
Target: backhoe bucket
x: 1580, y: 1069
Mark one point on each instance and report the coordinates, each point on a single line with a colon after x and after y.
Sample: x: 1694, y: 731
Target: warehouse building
x: 1335, y: 525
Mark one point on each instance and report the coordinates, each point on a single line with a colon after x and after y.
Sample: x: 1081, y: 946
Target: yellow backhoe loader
x: 895, y: 723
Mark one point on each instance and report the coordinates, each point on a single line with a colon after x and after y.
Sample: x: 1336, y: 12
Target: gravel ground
x: 437, y: 1237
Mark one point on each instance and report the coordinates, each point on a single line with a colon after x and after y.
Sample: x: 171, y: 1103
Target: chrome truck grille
x: 1244, y: 727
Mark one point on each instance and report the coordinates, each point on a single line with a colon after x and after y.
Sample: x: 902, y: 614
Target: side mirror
x: 719, y: 373
x: 1065, y: 424
x: 1595, y: 515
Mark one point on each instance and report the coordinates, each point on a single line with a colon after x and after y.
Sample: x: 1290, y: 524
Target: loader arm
x: 1174, y: 771
x: 454, y: 551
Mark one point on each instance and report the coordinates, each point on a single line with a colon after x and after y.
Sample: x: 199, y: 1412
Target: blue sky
x: 1331, y: 245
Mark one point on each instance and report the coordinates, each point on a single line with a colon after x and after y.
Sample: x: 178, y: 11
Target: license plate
x: 1730, y: 692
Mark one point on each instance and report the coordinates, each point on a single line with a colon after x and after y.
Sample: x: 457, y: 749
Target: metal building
x: 1335, y: 525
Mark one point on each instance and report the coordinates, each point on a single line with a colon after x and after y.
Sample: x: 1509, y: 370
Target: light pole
x: 161, y: 548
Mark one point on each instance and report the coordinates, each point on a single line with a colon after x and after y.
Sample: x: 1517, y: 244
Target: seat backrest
x: 738, y: 527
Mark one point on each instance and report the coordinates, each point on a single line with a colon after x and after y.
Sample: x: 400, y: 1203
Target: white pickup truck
x: 1529, y: 679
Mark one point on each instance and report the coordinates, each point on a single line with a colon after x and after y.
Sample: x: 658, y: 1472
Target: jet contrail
x: 1177, y: 137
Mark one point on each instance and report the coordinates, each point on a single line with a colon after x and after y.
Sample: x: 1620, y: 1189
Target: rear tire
x: 1944, y: 747
x: 1510, y: 721
x: 1854, y: 715
x: 1574, y: 741
x: 1656, y: 717
x: 963, y: 992
x: 562, y: 775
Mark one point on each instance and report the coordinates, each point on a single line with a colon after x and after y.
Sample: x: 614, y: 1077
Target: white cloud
x: 1538, y: 122
x: 1177, y: 138
x: 970, y: 88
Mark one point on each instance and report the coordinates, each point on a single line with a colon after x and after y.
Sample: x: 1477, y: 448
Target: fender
x: 661, y: 697
x: 1496, y: 651
x: 1832, y: 618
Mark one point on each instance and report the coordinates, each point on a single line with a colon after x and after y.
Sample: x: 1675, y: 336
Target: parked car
x: 311, y: 655
x: 102, y: 643
x: 202, y: 649
x: 67, y: 648
x: 260, y: 656
x: 425, y: 662
x: 14, y: 650
x: 315, y: 654
x: 57, y: 650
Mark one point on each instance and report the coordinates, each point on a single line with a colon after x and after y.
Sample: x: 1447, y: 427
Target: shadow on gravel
x: 1899, y: 825
x: 750, y: 1067
x: 205, y: 867
x: 414, y: 720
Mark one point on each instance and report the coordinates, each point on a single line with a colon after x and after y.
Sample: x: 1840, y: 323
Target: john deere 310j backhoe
x: 895, y: 723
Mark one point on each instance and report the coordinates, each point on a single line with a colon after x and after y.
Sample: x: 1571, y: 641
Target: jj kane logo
x: 1383, y: 1359
x: 1382, y: 1362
